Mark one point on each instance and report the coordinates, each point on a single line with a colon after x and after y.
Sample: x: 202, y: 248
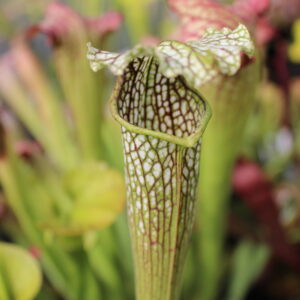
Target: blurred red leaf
x: 35, y: 252
x: 284, y: 12
x: 265, y: 31
x: 254, y: 187
x: 62, y: 21
x: 198, y: 15
x: 27, y: 149
x: 250, y: 10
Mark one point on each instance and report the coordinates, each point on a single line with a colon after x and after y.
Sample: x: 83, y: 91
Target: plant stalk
x: 231, y: 99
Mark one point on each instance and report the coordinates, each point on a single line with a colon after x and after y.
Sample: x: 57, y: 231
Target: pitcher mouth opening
x: 146, y: 102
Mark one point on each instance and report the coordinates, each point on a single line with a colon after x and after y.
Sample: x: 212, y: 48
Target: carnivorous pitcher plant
x: 163, y: 118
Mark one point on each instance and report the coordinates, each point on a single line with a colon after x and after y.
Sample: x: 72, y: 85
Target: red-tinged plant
x: 68, y: 33
x: 196, y: 16
x: 255, y: 188
x: 283, y: 12
x: 63, y: 24
x: 250, y: 10
x: 253, y: 13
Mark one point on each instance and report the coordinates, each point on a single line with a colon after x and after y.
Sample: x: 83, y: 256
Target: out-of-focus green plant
x: 267, y: 113
x: 20, y: 275
x: 33, y: 200
x: 97, y: 197
x: 137, y: 17
x: 265, y: 138
x: 295, y: 112
x: 65, y: 195
x: 230, y: 106
x: 249, y: 260
x: 294, y: 49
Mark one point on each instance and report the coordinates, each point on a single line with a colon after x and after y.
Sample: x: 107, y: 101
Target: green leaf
x: 137, y: 17
x: 20, y: 275
x: 99, y: 196
x: 294, y: 48
x: 295, y: 111
x: 248, y: 262
x: 217, y: 52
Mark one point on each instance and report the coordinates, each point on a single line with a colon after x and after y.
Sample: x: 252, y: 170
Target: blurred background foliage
x: 62, y: 188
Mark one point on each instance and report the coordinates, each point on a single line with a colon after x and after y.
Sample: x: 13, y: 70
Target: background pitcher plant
x: 231, y: 100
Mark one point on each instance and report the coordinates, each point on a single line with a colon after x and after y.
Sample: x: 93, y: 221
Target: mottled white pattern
x: 162, y: 176
x: 194, y: 60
